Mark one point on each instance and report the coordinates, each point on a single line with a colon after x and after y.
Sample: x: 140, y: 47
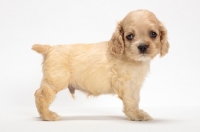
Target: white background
x: 174, y: 80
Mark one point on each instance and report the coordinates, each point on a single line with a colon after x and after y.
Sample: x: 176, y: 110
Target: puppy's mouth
x: 143, y: 57
x: 144, y: 54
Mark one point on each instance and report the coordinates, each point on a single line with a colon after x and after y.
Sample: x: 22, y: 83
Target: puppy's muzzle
x: 143, y: 48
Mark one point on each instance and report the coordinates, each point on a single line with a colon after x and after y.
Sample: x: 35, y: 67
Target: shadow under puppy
x: 117, y: 66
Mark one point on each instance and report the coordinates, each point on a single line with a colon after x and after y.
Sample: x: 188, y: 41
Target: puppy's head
x: 139, y: 36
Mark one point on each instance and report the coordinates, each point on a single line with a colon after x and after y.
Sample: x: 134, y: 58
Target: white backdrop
x: 174, y: 80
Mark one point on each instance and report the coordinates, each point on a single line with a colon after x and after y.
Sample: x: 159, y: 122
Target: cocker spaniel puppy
x: 118, y: 66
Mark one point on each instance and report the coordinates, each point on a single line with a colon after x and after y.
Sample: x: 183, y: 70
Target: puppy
x: 117, y: 66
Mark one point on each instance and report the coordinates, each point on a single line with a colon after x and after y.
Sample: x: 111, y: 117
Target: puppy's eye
x: 130, y: 36
x: 153, y: 34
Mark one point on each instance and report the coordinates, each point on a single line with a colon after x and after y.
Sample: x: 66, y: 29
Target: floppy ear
x: 116, y: 43
x: 163, y: 40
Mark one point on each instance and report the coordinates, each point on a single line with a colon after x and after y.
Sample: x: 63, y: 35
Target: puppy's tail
x: 42, y: 49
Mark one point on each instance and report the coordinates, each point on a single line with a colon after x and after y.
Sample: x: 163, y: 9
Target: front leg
x: 131, y: 98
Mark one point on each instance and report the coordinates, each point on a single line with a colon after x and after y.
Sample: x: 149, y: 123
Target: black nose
x: 143, y: 48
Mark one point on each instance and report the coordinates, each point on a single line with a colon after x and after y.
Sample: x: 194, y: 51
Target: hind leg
x: 45, y: 95
x: 43, y: 98
x: 56, y: 77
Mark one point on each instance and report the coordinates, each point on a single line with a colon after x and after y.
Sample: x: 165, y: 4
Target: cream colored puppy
x: 118, y: 66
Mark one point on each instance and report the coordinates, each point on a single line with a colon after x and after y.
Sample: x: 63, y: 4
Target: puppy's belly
x: 74, y: 87
x: 92, y: 89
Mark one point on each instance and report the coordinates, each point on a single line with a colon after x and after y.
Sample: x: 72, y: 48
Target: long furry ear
x: 163, y: 39
x: 116, y: 43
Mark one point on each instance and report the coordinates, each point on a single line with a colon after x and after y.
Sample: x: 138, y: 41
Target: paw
x: 51, y: 116
x: 139, y: 115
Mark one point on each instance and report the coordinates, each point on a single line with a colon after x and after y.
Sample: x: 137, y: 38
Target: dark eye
x: 152, y: 34
x: 130, y: 36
